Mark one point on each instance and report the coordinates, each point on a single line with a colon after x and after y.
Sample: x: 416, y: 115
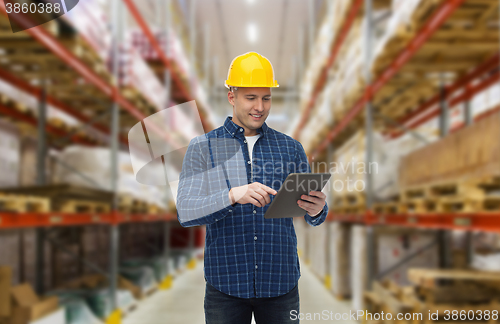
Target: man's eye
x: 250, y: 98
x: 267, y: 99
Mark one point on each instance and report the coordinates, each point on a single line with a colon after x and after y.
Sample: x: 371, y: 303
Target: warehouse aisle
x: 184, y: 302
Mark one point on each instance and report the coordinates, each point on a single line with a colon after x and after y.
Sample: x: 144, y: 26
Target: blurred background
x: 410, y: 86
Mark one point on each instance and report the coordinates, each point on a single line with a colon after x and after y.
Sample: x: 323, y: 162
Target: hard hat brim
x: 276, y: 85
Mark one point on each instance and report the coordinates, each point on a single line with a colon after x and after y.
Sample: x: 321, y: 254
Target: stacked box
x: 469, y: 154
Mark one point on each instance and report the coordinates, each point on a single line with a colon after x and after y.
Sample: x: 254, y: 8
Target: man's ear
x: 230, y: 97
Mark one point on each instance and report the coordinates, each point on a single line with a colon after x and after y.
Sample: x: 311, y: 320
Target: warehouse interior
x: 398, y: 99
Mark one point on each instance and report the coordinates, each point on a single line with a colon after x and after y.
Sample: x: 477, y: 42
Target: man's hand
x: 255, y: 193
x: 314, y: 202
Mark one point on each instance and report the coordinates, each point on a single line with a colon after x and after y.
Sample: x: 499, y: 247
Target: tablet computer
x: 295, y: 185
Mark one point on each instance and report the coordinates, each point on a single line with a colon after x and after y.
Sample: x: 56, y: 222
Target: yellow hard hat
x: 251, y: 70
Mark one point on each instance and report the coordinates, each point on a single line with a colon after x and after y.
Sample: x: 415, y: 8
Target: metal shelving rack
x: 114, y: 218
x: 443, y: 222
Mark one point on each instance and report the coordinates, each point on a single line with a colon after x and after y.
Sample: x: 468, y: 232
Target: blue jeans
x: 221, y: 308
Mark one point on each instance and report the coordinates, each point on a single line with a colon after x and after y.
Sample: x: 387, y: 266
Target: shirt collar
x: 234, y: 129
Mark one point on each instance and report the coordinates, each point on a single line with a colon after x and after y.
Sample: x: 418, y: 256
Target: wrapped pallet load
x: 321, y: 120
x: 336, y: 13
x: 94, y: 171
x: 350, y: 168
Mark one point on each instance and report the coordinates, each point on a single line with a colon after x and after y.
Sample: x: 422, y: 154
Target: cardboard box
x: 5, y: 283
x: 28, y: 307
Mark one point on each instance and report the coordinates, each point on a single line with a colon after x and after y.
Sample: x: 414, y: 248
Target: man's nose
x: 260, y: 105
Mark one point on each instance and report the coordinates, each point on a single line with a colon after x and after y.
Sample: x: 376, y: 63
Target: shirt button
x: 244, y: 141
x: 256, y: 266
x: 241, y: 129
x: 255, y: 238
x: 255, y: 212
x: 249, y: 162
x: 230, y: 210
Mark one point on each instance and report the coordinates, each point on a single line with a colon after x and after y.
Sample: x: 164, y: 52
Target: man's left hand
x: 312, y: 204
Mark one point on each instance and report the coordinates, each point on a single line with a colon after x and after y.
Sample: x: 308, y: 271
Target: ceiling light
x: 250, y: 2
x: 252, y: 33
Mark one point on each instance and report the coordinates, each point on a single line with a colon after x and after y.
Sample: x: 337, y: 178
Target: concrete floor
x: 183, y: 303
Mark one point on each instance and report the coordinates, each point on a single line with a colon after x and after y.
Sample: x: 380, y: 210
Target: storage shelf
x: 152, y: 39
x: 78, y: 69
x: 489, y: 221
x: 319, y: 85
x: 463, y: 85
x: 22, y: 220
x: 437, y: 19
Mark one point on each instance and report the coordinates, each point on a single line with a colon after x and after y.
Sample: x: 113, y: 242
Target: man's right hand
x: 255, y: 193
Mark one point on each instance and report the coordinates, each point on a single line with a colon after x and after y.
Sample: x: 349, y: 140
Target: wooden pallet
x: 349, y: 210
x: 387, y: 208
x: 128, y: 204
x: 472, y: 189
x: 68, y: 198
x: 23, y: 204
x: 349, y: 198
x: 388, y: 297
x: 430, y: 278
x: 462, y: 196
x: 82, y: 206
x: 154, y: 209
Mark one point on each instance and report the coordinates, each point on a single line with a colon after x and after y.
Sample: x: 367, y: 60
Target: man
x: 229, y: 177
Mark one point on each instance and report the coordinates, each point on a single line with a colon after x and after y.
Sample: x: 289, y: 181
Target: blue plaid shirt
x: 246, y: 255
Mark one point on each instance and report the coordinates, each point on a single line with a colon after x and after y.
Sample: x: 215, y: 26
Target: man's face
x: 251, y: 107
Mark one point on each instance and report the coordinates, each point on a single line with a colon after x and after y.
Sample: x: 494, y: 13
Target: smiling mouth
x: 256, y: 116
